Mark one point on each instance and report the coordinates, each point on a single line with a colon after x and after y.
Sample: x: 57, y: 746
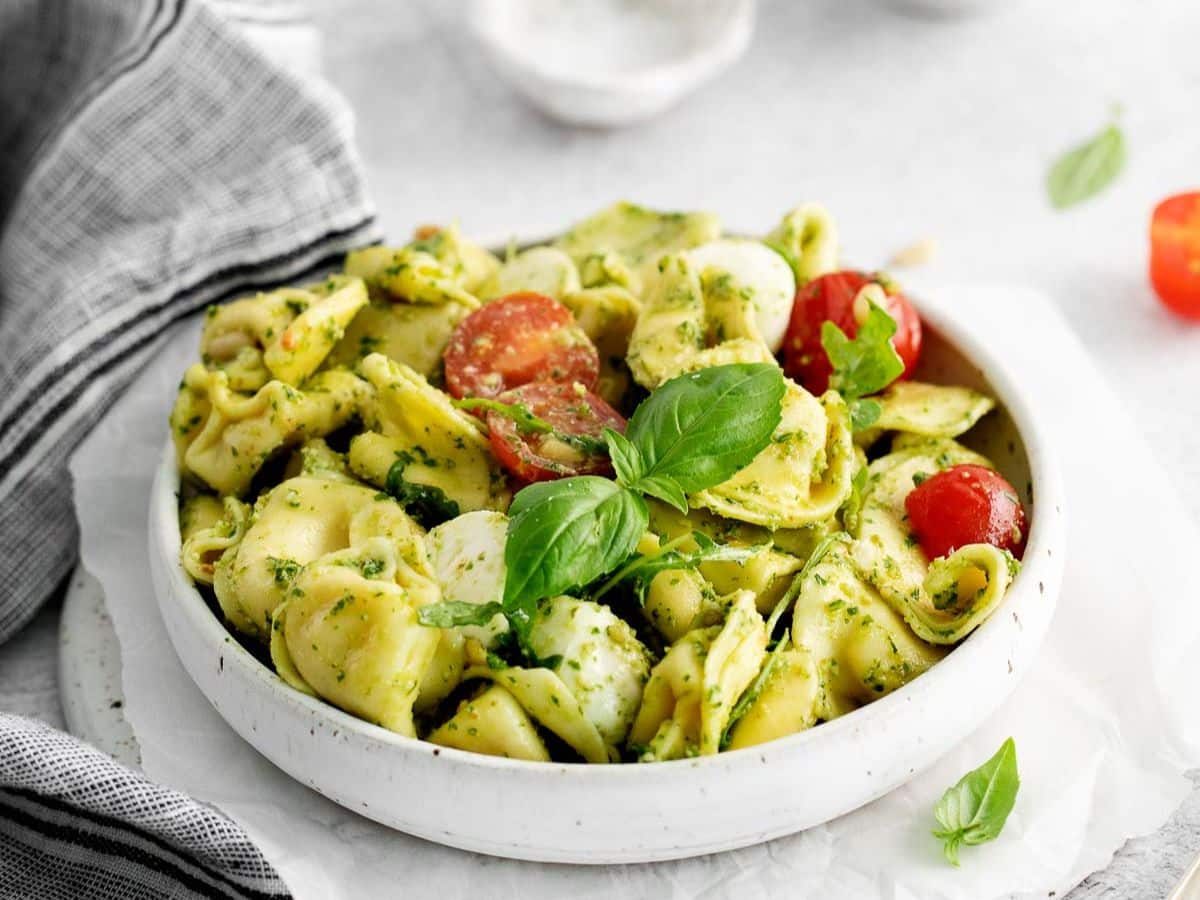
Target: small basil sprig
x: 1086, y: 170
x: 527, y: 422
x: 640, y: 570
x: 863, y: 365
x: 565, y: 534
x: 974, y: 810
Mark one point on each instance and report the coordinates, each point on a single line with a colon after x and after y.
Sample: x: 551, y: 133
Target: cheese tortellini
x: 347, y: 518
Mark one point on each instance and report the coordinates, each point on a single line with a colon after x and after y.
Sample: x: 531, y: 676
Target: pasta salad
x: 644, y: 492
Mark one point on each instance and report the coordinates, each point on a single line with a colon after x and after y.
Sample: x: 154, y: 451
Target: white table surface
x: 906, y: 128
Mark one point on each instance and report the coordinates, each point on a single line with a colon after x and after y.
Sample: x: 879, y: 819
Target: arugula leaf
x: 701, y: 428
x: 756, y: 687
x: 1087, y: 169
x: 456, y: 613
x: 811, y: 563
x: 868, y: 363
x: 528, y: 423
x: 642, y: 569
x: 974, y: 810
x: 562, y: 535
x: 626, y: 459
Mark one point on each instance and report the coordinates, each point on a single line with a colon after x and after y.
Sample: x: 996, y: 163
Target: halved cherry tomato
x: 575, y: 447
x: 515, y: 340
x: 830, y: 298
x: 966, y: 505
x: 1175, y: 253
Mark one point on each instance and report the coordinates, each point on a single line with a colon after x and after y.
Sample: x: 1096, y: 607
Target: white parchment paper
x: 1105, y: 723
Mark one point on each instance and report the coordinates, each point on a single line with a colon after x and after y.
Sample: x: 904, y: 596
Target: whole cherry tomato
x: 963, y: 505
x: 1175, y: 253
x: 515, y: 340
x: 830, y: 298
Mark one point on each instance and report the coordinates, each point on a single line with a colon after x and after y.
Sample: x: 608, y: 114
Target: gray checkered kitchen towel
x: 152, y: 161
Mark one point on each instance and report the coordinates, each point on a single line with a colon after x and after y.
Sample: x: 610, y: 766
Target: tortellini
x: 690, y: 696
x: 346, y: 516
x: 638, y: 236
x: 223, y: 438
x: 420, y: 444
x: 439, y: 267
x: 802, y: 477
x: 807, y: 239
x: 295, y: 523
x: 941, y: 602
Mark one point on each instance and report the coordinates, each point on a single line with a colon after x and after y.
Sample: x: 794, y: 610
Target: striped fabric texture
x: 152, y: 161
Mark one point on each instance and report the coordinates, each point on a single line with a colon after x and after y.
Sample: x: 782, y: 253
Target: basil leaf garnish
x: 975, y: 810
x: 701, y: 428
x: 1087, y: 169
x: 867, y: 363
x: 457, y: 613
x: 565, y: 534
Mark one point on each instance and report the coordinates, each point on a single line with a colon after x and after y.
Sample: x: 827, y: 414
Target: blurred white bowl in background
x: 610, y: 62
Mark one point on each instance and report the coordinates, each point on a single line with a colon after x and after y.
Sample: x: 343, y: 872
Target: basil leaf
x: 665, y: 489
x: 564, y: 534
x: 642, y: 569
x: 975, y: 810
x: 627, y: 461
x: 700, y: 428
x: 455, y: 613
x: 864, y: 413
x: 868, y: 363
x: 1087, y: 169
x: 525, y: 420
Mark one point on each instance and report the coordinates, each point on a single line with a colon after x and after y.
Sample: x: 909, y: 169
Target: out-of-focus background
x: 906, y: 125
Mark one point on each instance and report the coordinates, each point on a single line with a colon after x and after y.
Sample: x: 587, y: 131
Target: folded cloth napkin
x: 74, y: 823
x: 151, y: 162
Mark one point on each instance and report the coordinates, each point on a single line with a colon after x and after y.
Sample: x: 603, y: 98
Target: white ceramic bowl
x: 636, y: 813
x: 585, y: 64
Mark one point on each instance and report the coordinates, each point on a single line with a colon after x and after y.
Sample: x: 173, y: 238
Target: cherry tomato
x: 966, y: 505
x: 573, y: 412
x: 1175, y: 253
x: 831, y: 298
x: 515, y: 340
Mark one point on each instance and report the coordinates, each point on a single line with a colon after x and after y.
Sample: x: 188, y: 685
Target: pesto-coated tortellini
x: 639, y: 236
x: 944, y: 601
x: 439, y: 267
x: 683, y: 572
x: 494, y: 723
x: 547, y: 699
x: 421, y: 448
x: 298, y: 521
x: 413, y: 334
x: 807, y: 239
x: 538, y: 270
x: 223, y: 437
x: 931, y: 410
x: 351, y: 633
x: 802, y: 477
x: 687, y: 324
x: 691, y: 694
